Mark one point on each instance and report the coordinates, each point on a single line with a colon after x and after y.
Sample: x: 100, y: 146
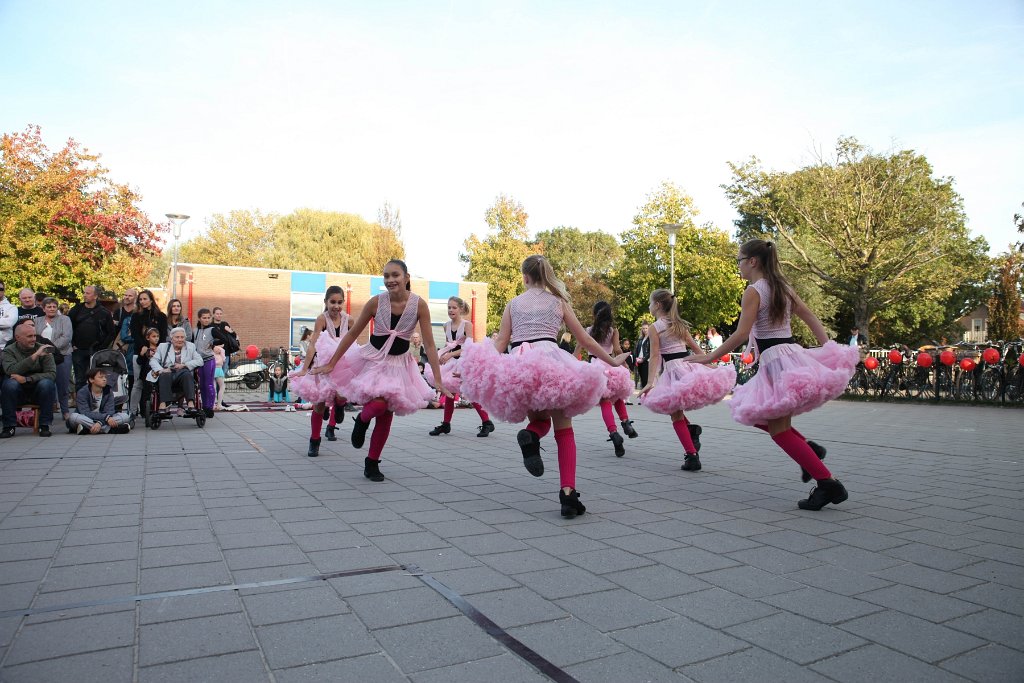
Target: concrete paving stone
x: 89, y: 575
x: 718, y: 608
x: 432, y: 644
x: 607, y: 560
x: 29, y: 551
x: 104, y: 522
x: 8, y: 627
x: 94, y: 667
x: 721, y: 542
x: 83, y: 595
x: 1000, y: 553
x: 315, y: 526
x: 927, y: 578
x: 107, y: 511
x: 642, y: 543
x: 241, y: 526
x: 567, y: 641
x: 170, y: 556
x: 347, y: 559
x: 374, y: 668
x: 180, y: 577
x: 239, y: 667
x: 677, y: 642
x: 516, y: 607
x: 502, y: 516
x: 749, y: 581
x: 54, y: 639
x: 188, y: 607
x: 160, y: 539
x: 246, y: 512
x: 838, y: 580
x: 991, y: 663
x: 655, y: 582
x: 920, y: 603
x: 752, y: 664
x: 565, y: 544
x: 383, y: 528
x: 615, y: 609
x: 796, y: 638
x: 876, y: 663
x: 774, y: 560
x: 520, y: 561
x: 535, y: 528
x: 395, y: 608
x: 421, y: 540
x: 823, y: 606
x: 329, y: 541
x: 794, y: 541
x: 488, y: 543
x: 931, y: 556
x: 30, y: 534
x: 741, y: 527
x: 20, y: 571
x: 32, y: 521
x: 996, y: 596
x: 993, y: 626
x: 673, y: 529
x: 1007, y: 538
x: 267, y: 556
x: 306, y: 601
x: 261, y: 539
x: 473, y: 580
x: 190, y: 639
x: 627, y: 666
x: 912, y: 636
x: 692, y: 560
x: 866, y: 540
x: 996, y: 572
x: 261, y: 574
x: 506, y: 668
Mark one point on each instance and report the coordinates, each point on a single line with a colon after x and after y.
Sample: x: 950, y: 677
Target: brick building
x: 269, y: 308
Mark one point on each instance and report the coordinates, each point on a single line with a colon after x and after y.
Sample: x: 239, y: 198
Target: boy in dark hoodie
x: 96, y: 410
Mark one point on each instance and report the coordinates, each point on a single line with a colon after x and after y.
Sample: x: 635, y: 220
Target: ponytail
x: 767, y: 257
x: 666, y: 300
x: 539, y: 270
x: 603, y: 322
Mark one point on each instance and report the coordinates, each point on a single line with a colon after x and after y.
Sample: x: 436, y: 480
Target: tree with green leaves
x: 496, y: 258
x: 239, y: 238
x: 584, y: 260
x: 875, y: 231
x: 708, y: 286
x: 1004, y: 307
x: 64, y: 223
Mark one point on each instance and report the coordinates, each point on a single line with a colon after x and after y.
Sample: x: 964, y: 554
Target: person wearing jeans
x: 30, y: 378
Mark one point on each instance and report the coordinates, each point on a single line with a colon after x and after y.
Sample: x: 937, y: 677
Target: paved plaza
x: 459, y: 567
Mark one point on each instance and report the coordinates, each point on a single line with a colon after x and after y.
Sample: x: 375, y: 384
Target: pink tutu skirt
x: 791, y: 380
x: 322, y: 388
x: 532, y: 377
x: 367, y: 375
x: 620, y: 381
x: 689, y: 386
x: 449, y: 379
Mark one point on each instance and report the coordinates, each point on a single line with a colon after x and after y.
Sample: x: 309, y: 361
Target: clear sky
x: 576, y: 109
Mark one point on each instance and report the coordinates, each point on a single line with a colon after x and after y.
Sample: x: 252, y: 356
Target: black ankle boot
x: 691, y: 462
x: 330, y: 433
x: 627, y: 428
x: 827, y: 491
x: 359, y: 432
x: 530, y: 445
x: 314, y: 448
x: 571, y: 505
x: 371, y: 470
x: 695, y: 432
x: 485, y: 428
x: 443, y: 428
x: 819, y: 451
x: 616, y: 440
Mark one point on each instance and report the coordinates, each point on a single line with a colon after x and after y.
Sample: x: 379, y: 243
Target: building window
x: 978, y: 325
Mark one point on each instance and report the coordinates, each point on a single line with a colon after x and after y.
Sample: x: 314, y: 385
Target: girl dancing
x: 790, y: 379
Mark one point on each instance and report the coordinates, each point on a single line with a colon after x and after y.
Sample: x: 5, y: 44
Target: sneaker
x: 571, y: 505
x: 44, y: 430
x: 819, y: 451
x: 121, y: 429
x: 628, y: 430
x: 6, y: 432
x: 695, y: 432
x: 691, y: 462
x: 359, y: 432
x: 371, y: 470
x: 443, y: 428
x: 827, y: 491
x: 485, y: 428
x: 71, y: 428
x: 616, y: 440
x: 314, y: 448
x: 330, y: 433
x: 529, y: 442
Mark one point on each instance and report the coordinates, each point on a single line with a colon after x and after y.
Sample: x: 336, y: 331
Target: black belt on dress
x: 666, y: 357
x: 534, y: 341
x: 765, y: 344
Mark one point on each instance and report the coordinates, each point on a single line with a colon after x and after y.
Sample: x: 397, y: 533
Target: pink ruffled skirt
x: 531, y: 378
x: 451, y: 381
x: 322, y: 388
x: 791, y: 380
x: 689, y: 386
x: 368, y: 374
x: 620, y: 381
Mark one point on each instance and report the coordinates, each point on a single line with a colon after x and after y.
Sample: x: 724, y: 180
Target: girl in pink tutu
x: 536, y: 379
x: 790, y: 379
x: 456, y: 331
x: 620, y: 382
x: 329, y: 328
x: 683, y: 386
x: 382, y: 376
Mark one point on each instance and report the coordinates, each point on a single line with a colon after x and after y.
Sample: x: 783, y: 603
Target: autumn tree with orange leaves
x: 64, y: 223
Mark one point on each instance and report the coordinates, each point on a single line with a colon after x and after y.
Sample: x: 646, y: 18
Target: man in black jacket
x: 92, y: 329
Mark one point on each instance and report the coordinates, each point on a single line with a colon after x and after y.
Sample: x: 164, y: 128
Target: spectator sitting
x: 8, y: 316
x: 55, y: 328
x: 28, y: 308
x: 278, y: 386
x: 417, y: 351
x: 95, y: 408
x: 31, y: 378
x: 172, y: 367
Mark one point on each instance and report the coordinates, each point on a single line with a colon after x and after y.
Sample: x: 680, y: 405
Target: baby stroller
x: 155, y: 417
x: 113, y: 365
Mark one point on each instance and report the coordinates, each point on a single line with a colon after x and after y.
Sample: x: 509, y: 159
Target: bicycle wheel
x: 943, y: 383
x: 920, y: 385
x: 965, y: 386
x: 989, y: 384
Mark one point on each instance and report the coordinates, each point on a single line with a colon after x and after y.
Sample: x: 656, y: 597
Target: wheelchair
x: 151, y: 401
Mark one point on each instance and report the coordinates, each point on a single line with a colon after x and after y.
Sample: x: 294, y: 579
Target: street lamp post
x: 178, y: 219
x: 672, y: 229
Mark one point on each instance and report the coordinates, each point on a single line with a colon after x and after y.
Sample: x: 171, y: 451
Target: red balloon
x: 947, y: 357
x: 725, y: 358
x: 967, y: 364
x: 748, y: 358
x: 895, y: 357
x: 252, y: 352
x: 871, y: 362
x: 1020, y: 359
x: 924, y: 359
x: 991, y: 356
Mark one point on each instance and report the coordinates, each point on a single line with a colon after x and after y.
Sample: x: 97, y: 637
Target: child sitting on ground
x: 96, y: 410
x: 278, y: 386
